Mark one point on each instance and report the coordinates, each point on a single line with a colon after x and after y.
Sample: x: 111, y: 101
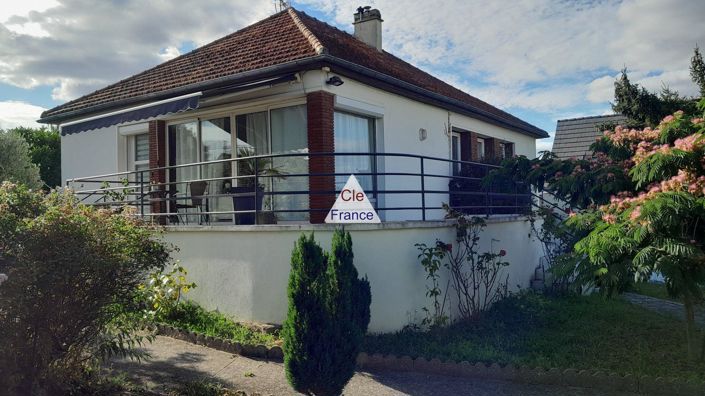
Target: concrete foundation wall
x: 243, y: 270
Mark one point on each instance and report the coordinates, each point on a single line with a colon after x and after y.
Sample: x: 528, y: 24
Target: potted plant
x: 264, y: 169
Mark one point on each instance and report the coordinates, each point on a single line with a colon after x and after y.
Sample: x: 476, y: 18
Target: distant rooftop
x: 575, y: 135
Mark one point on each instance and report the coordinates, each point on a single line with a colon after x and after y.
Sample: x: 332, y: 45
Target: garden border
x: 595, y: 379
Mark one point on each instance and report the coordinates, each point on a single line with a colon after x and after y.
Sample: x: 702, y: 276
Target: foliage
x: 476, y: 278
x: 646, y: 108
x: 190, y: 316
x: 44, y: 151
x: 162, y: 291
x: 557, y: 240
x: 72, y: 275
x: 432, y: 261
x: 15, y: 162
x: 697, y: 70
x: 203, y: 387
x: 327, y: 318
x: 251, y: 165
x: 533, y: 330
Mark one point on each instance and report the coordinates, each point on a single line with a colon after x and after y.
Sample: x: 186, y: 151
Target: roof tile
x: 283, y: 37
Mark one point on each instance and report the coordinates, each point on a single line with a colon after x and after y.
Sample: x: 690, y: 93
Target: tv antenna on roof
x: 281, y: 5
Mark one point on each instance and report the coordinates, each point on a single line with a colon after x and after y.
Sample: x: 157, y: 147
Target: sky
x: 540, y: 60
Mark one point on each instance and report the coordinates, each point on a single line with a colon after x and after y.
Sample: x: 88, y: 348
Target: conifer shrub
x: 328, y: 315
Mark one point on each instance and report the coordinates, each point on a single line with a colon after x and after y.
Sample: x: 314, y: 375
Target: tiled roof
x: 574, y: 136
x: 284, y: 37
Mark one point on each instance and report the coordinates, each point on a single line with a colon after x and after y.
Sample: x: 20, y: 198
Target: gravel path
x: 671, y: 308
x: 175, y: 360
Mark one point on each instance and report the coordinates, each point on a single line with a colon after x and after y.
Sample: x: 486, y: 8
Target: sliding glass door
x: 278, y: 131
x: 274, y: 131
x: 289, y: 135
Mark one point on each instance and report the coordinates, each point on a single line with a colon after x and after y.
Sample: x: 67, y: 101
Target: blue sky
x: 540, y: 60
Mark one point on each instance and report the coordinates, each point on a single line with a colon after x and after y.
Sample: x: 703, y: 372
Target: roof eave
x: 412, y: 91
x: 347, y: 68
x: 265, y: 72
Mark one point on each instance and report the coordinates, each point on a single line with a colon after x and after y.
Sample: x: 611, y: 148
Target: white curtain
x: 353, y: 134
x: 290, y: 135
x: 185, y: 146
x: 216, y: 145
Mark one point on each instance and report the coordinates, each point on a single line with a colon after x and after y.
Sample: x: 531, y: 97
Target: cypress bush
x: 329, y: 311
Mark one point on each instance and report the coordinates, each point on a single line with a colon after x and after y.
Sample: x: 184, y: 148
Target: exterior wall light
x: 335, y: 81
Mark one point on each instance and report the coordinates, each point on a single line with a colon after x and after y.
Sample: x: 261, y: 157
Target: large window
x: 355, y: 134
x: 278, y: 131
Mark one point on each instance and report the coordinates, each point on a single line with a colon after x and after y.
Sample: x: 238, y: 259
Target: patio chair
x: 196, y: 190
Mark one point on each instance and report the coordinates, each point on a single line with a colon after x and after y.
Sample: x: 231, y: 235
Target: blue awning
x: 134, y: 114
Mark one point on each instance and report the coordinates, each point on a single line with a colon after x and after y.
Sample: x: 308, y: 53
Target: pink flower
x: 668, y: 118
x: 502, y: 253
x: 635, y: 213
x: 609, y: 218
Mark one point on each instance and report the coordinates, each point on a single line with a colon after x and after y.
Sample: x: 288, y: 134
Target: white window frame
x: 480, y: 142
x: 132, y: 162
x: 456, y: 155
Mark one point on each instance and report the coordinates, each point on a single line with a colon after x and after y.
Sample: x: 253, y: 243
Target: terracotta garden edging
x: 568, y: 377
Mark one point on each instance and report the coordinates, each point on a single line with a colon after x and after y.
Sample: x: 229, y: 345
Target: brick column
x: 157, y: 159
x: 474, y: 154
x: 319, y: 110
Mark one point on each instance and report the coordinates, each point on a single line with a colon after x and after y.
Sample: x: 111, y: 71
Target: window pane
x: 290, y: 135
x: 354, y: 134
x: 252, y: 136
x: 183, y: 149
x: 142, y: 147
x: 216, y: 145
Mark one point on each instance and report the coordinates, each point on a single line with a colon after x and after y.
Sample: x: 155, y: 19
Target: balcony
x: 267, y: 189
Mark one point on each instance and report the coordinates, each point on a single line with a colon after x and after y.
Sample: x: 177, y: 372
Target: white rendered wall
x: 243, y: 271
x: 398, y: 129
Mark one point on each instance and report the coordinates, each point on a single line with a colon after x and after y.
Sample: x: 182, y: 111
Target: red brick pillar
x: 319, y: 110
x: 474, y: 154
x: 157, y: 159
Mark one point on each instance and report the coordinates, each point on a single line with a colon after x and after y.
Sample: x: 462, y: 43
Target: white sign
x: 352, y: 205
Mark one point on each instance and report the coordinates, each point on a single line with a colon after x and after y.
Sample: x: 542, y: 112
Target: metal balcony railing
x: 269, y: 188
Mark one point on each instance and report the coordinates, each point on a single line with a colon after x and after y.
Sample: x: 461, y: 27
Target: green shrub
x: 190, y: 316
x: 329, y: 311
x: 44, y: 151
x: 15, y: 163
x: 72, y: 275
x: 162, y: 292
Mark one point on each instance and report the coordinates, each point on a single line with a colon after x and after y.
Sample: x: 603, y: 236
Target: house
x: 240, y: 145
x: 575, y: 135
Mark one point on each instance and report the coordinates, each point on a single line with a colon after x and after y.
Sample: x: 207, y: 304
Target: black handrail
x: 144, y: 193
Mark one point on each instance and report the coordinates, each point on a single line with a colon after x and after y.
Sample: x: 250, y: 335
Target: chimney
x: 368, y: 26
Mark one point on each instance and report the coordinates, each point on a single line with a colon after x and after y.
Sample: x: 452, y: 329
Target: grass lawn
x: 192, y: 317
x: 567, y: 332
x: 653, y: 289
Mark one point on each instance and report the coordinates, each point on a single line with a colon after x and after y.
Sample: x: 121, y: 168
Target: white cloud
x: 547, y: 56
x: 77, y: 46
x: 14, y: 114
x: 542, y: 55
x: 169, y: 52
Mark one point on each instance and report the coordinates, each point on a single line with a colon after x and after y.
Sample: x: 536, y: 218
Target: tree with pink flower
x: 639, y: 207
